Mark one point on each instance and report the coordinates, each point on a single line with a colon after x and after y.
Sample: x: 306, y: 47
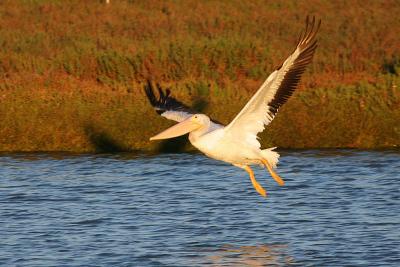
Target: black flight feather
x: 165, y: 101
x: 307, y: 45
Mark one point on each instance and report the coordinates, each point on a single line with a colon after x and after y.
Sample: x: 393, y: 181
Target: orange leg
x: 256, y: 185
x: 273, y: 173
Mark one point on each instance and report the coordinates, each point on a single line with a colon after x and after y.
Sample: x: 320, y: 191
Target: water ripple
x: 338, y: 208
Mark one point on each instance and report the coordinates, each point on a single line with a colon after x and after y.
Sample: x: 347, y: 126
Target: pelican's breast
x: 217, y: 145
x: 208, y: 142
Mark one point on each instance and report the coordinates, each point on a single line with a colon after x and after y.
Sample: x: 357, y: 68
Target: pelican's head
x: 200, y: 119
x: 192, y: 123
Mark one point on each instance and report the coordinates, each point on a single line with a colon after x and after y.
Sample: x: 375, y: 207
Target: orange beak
x: 177, y: 130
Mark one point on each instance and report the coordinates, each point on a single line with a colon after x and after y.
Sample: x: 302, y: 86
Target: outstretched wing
x: 167, y: 106
x: 275, y: 91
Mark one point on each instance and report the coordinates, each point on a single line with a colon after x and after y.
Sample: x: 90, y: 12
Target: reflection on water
x: 258, y: 255
x: 337, y: 208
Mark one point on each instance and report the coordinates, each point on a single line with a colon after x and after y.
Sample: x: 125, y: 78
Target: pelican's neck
x: 194, y: 135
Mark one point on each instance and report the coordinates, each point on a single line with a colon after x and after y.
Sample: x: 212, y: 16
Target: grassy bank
x: 89, y: 118
x: 71, y: 72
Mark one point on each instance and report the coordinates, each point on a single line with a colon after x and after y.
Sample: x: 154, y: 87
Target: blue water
x: 338, y: 208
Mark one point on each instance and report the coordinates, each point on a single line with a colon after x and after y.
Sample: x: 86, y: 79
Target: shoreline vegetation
x: 72, y: 72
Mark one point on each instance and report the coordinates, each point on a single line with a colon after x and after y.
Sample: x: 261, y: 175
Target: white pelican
x: 237, y: 143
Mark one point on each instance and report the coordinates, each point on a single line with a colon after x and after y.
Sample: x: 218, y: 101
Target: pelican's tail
x: 271, y: 156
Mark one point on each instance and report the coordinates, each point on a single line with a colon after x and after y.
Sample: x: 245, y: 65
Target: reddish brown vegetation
x: 85, y: 61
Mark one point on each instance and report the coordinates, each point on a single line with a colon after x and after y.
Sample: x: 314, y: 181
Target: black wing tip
x: 307, y: 44
x: 164, y: 101
x: 310, y: 32
x: 312, y: 23
x: 149, y: 91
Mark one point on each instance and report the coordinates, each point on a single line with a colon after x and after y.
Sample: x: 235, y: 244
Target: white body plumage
x: 216, y: 143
